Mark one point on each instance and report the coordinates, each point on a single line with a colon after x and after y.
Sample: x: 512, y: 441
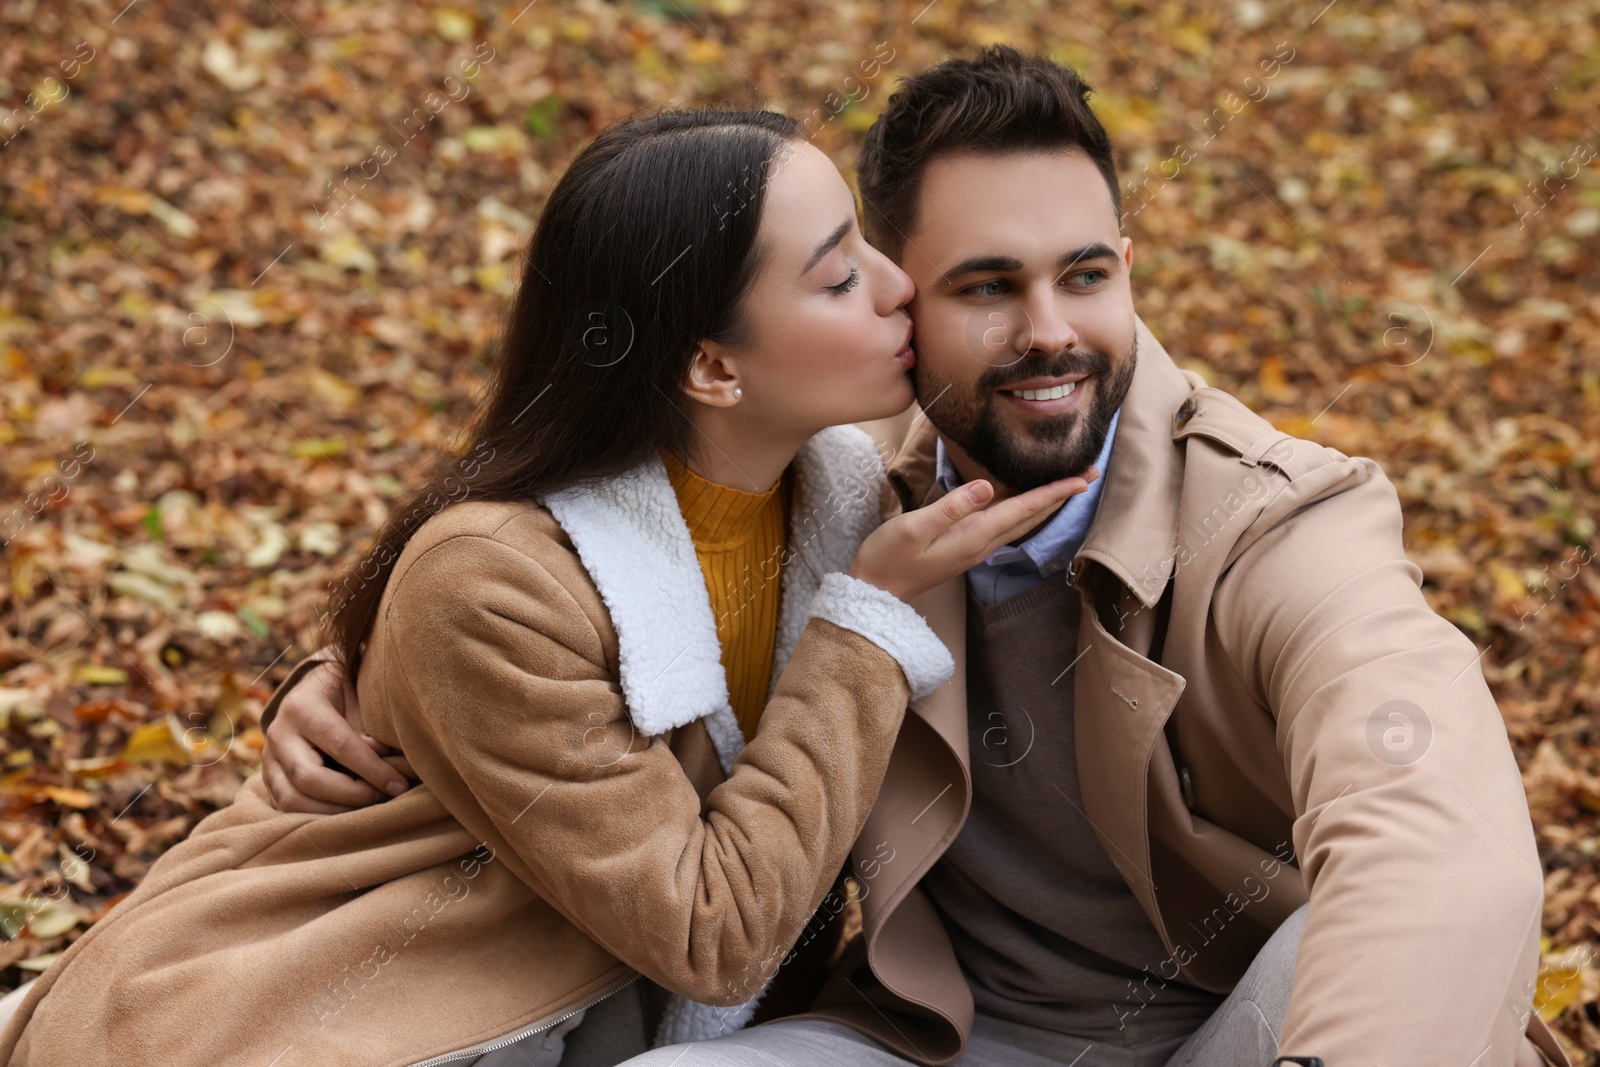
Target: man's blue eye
x: 982, y: 288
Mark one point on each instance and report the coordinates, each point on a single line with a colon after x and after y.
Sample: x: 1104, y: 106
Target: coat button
x: 1185, y: 411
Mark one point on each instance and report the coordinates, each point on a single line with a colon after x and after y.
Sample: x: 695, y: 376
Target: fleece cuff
x: 891, y: 624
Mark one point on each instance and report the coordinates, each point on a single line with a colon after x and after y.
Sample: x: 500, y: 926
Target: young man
x: 1213, y: 784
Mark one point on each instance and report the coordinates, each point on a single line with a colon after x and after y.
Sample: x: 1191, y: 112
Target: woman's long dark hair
x: 646, y: 246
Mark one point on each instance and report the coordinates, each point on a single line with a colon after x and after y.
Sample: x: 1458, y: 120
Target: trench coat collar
x: 632, y: 538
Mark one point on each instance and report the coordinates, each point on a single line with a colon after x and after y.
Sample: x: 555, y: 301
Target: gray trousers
x: 1242, y: 1032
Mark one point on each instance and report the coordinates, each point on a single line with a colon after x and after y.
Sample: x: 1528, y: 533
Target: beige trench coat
x: 1308, y: 704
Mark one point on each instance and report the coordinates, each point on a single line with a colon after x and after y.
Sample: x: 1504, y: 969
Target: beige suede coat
x: 588, y: 809
x: 1308, y: 704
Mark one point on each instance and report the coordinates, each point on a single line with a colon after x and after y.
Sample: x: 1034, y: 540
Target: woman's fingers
x: 352, y: 715
x: 911, y: 553
x: 334, y: 735
x: 928, y: 524
x: 315, y: 783
x: 977, y: 535
x: 322, y: 715
x: 285, y: 797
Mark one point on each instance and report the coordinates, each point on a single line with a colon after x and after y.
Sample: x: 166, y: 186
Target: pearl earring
x: 737, y: 392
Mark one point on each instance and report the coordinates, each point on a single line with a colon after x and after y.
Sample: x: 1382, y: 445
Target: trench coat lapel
x: 1122, y: 699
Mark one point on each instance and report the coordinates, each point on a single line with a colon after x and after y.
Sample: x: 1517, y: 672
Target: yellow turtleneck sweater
x: 738, y: 537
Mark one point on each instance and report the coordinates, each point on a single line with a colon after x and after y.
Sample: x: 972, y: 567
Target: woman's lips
x: 906, y: 357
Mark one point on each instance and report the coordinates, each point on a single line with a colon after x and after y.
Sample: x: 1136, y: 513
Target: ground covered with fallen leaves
x: 253, y: 258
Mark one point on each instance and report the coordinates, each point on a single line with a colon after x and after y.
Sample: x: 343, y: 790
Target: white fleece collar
x: 633, y: 540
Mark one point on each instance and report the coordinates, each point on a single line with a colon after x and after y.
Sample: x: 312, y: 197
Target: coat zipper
x: 531, y: 1028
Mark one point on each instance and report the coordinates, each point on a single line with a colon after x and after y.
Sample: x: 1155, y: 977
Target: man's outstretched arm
x: 315, y: 711
x: 1413, y: 832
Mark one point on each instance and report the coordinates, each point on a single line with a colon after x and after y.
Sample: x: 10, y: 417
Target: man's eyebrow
x: 1089, y: 252
x: 978, y: 264
x: 1000, y: 264
x: 828, y: 244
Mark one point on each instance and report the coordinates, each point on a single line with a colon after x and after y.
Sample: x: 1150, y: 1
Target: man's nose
x: 1045, y: 330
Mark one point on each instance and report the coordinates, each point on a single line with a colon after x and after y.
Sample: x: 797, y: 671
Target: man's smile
x: 1045, y: 395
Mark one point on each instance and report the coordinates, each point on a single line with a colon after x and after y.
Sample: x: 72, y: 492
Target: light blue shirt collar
x: 1012, y: 569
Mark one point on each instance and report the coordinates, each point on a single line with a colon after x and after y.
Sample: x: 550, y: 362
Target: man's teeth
x: 1055, y: 392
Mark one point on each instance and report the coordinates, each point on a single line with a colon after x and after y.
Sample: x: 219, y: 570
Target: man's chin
x: 1029, y: 458
x: 1029, y: 470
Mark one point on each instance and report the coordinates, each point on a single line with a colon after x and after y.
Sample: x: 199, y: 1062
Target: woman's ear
x: 713, y: 376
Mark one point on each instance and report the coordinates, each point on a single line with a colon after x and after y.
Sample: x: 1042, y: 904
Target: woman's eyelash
x: 848, y: 284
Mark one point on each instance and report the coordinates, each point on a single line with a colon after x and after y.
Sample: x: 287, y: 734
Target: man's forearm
x: 1414, y: 839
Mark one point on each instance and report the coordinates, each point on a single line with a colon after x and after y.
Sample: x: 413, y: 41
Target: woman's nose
x: 898, y: 288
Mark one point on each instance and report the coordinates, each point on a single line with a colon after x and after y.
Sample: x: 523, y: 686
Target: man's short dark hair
x: 999, y: 101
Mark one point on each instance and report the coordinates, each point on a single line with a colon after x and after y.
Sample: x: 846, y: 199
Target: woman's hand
x: 312, y: 719
x: 912, y: 553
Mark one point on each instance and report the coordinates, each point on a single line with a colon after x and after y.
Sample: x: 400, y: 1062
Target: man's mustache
x: 1085, y: 363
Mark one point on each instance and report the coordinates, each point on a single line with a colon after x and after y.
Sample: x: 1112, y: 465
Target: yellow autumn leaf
x: 1190, y: 38
x: 1123, y: 115
x: 1507, y: 582
x: 166, y: 741
x: 94, y: 377
x: 453, y: 24
x: 858, y: 120
x: 318, y: 448
x: 1558, y: 987
x: 90, y: 674
x: 1274, y: 382
x: 1294, y: 425
x: 493, y: 279
x: 703, y: 51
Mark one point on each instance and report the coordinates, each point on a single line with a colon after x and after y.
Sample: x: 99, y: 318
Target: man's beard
x: 974, y: 422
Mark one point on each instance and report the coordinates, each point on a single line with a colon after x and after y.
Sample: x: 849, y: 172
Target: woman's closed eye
x: 848, y: 284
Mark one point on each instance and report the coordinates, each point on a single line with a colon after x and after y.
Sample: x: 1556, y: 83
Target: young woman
x: 622, y: 766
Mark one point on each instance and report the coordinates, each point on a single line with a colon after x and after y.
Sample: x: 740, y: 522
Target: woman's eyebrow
x: 828, y: 244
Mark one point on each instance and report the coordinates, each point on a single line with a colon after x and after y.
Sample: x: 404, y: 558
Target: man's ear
x: 712, y: 375
x: 1127, y: 252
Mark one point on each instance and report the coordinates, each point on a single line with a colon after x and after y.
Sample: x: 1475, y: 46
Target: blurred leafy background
x: 253, y: 258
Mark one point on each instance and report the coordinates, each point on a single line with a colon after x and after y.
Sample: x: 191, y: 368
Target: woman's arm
x: 920, y: 548
x: 504, y: 704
